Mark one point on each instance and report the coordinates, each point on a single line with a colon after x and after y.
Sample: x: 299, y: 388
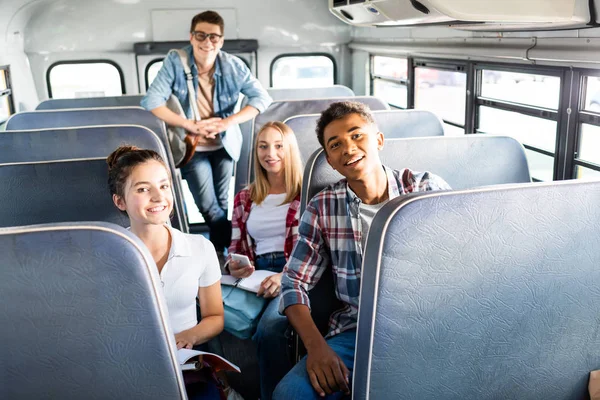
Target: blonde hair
x: 259, y: 189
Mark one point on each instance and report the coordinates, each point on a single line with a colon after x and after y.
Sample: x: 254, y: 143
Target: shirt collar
x: 393, y: 190
x: 180, y: 246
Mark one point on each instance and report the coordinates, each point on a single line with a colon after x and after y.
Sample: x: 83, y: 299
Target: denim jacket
x: 231, y: 76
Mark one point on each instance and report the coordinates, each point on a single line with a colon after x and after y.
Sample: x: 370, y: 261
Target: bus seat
x: 280, y: 111
x: 77, y: 143
x: 81, y: 316
x: 101, y: 117
x: 482, y: 294
x: 393, y: 124
x: 91, y: 102
x: 74, y: 143
x: 57, y: 191
x: 278, y: 94
x: 464, y: 162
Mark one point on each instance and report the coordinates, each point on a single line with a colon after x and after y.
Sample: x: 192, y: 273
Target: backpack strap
x: 190, y: 82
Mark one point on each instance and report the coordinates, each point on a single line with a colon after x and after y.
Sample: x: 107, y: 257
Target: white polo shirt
x: 192, y: 263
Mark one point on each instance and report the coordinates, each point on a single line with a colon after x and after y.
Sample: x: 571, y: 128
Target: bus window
x: 588, y: 152
x: 592, y: 94
x: 524, y: 106
x: 443, y: 92
x: 530, y: 131
x: 389, y: 78
x: 151, y: 71
x: 516, y: 87
x: 302, y: 71
x: 6, y: 99
x: 67, y: 80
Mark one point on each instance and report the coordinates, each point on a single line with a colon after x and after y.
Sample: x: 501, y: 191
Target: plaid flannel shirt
x: 241, y: 241
x: 330, y: 233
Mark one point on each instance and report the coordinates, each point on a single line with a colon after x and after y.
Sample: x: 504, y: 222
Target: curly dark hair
x: 338, y: 111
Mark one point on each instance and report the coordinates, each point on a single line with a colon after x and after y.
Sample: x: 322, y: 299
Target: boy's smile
x: 352, y: 146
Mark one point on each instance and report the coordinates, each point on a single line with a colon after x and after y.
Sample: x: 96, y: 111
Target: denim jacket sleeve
x: 162, y: 86
x: 256, y: 95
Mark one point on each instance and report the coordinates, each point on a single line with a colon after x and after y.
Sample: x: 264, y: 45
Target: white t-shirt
x: 367, y: 213
x: 192, y: 263
x: 266, y: 223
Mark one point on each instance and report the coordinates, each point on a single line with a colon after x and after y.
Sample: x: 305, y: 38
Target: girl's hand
x: 185, y: 339
x: 270, y: 286
x: 238, y: 271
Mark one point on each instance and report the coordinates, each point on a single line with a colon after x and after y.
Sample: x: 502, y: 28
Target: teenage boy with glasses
x: 219, y: 79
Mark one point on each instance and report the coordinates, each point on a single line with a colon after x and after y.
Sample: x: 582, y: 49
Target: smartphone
x: 244, y: 260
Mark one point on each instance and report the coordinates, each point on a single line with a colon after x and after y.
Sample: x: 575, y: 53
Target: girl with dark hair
x: 140, y: 184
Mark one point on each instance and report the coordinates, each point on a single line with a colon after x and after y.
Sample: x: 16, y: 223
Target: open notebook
x: 251, y: 283
x: 187, y: 361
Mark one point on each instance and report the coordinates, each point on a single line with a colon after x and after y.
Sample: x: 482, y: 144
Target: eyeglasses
x: 201, y: 36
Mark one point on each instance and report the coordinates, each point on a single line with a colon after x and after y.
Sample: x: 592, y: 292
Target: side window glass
x: 152, y: 70
x: 85, y: 79
x: 524, y: 106
x: 445, y: 93
x: 389, y: 77
x: 587, y: 156
x: 302, y: 71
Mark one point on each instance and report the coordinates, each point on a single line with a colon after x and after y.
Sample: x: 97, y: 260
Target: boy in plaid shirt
x: 332, y: 233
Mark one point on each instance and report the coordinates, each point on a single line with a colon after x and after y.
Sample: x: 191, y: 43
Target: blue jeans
x: 208, y: 175
x: 270, y: 337
x: 296, y: 384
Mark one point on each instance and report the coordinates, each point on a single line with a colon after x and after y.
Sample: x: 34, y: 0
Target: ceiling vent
x: 469, y: 14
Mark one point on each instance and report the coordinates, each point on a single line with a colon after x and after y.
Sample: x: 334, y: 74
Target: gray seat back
x: 57, y: 191
x: 482, y: 294
x: 82, y: 317
x: 278, y: 94
x: 102, y: 117
x: 280, y: 111
x: 74, y: 143
x: 393, y: 123
x: 464, y: 162
x: 91, y: 102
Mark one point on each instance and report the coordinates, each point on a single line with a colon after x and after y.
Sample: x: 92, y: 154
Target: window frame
x: 568, y: 117
x: 311, y: 54
x: 451, y: 66
x: 8, y: 92
x: 580, y: 117
x: 408, y: 82
x: 89, y: 61
x: 524, y: 109
x: 148, y: 65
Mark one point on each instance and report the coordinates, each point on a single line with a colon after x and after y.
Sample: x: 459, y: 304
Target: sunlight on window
x: 442, y: 92
x: 592, y: 94
x: 393, y: 93
x: 303, y: 72
x: 153, y: 71
x: 589, y: 143
x: 515, y: 87
x: 96, y: 79
x: 536, y: 132
x: 390, y: 67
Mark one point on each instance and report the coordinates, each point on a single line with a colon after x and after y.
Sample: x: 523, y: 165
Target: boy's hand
x: 327, y: 372
x: 270, y: 286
